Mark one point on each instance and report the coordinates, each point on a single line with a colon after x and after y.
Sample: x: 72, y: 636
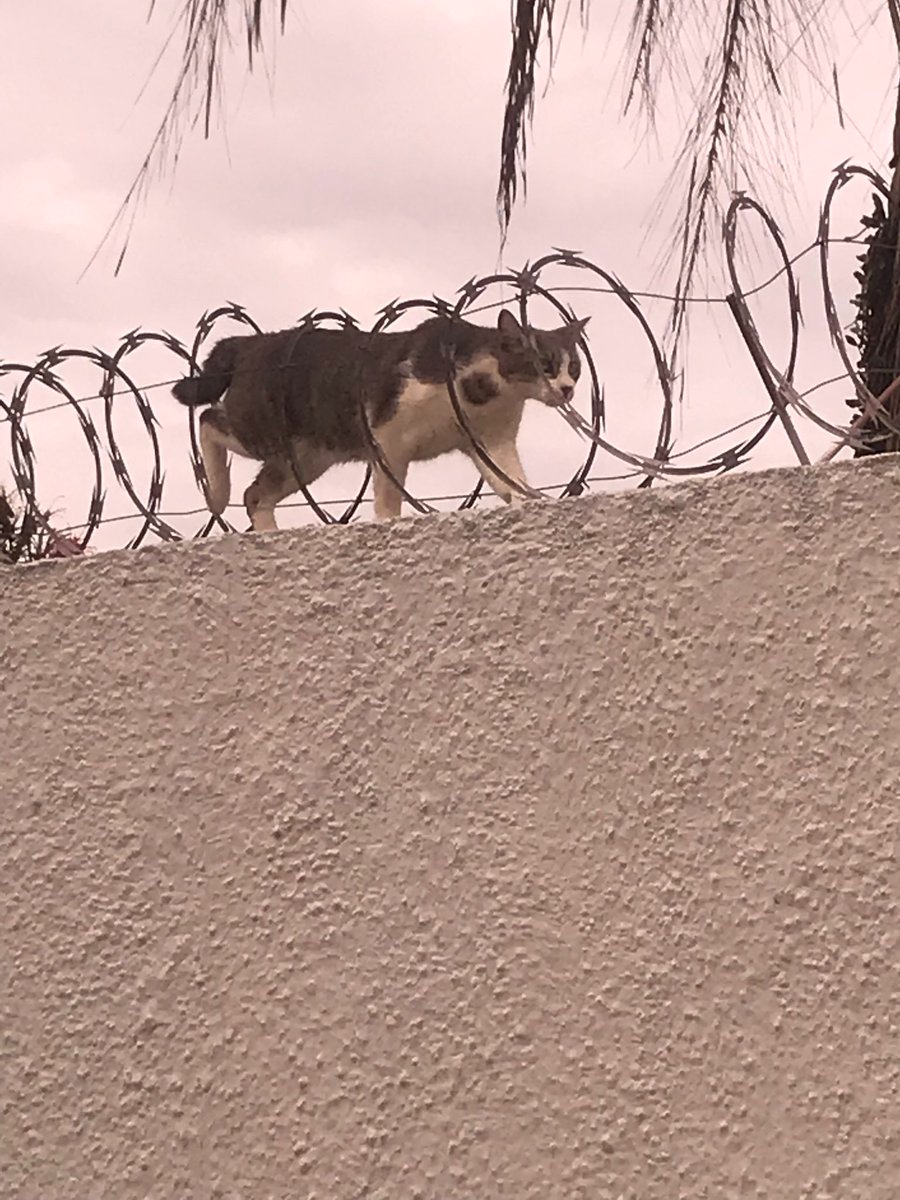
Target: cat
x: 292, y: 402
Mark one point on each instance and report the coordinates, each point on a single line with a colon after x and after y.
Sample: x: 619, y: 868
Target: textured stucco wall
x: 546, y: 854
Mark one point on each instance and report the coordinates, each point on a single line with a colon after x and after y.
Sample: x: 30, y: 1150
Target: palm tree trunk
x: 877, y: 325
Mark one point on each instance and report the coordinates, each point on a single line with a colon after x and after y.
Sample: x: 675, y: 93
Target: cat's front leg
x: 388, y: 497
x: 504, y: 455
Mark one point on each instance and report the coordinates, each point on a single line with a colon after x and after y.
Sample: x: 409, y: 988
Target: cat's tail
x: 214, y: 378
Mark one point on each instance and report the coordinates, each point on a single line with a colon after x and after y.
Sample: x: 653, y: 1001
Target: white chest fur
x: 425, y: 424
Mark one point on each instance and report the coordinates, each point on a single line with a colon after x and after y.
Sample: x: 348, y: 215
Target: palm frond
x: 730, y: 58
x: 741, y: 80
x: 207, y: 29
x: 533, y: 24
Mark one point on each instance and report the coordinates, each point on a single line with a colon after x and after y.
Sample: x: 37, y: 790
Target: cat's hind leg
x: 216, y: 441
x: 276, y: 480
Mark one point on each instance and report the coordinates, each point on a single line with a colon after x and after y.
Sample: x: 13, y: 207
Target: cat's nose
x: 567, y: 392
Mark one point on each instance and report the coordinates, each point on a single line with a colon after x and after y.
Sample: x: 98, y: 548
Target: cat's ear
x: 509, y: 327
x: 576, y: 328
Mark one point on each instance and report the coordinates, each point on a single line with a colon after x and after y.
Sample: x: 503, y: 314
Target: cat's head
x: 546, y: 359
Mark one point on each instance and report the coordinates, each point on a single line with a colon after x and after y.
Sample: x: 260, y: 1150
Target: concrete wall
x: 545, y: 854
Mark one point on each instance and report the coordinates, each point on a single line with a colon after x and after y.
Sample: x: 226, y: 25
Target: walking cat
x: 291, y: 401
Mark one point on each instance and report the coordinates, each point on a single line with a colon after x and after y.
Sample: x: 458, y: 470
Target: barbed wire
x: 105, y: 449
